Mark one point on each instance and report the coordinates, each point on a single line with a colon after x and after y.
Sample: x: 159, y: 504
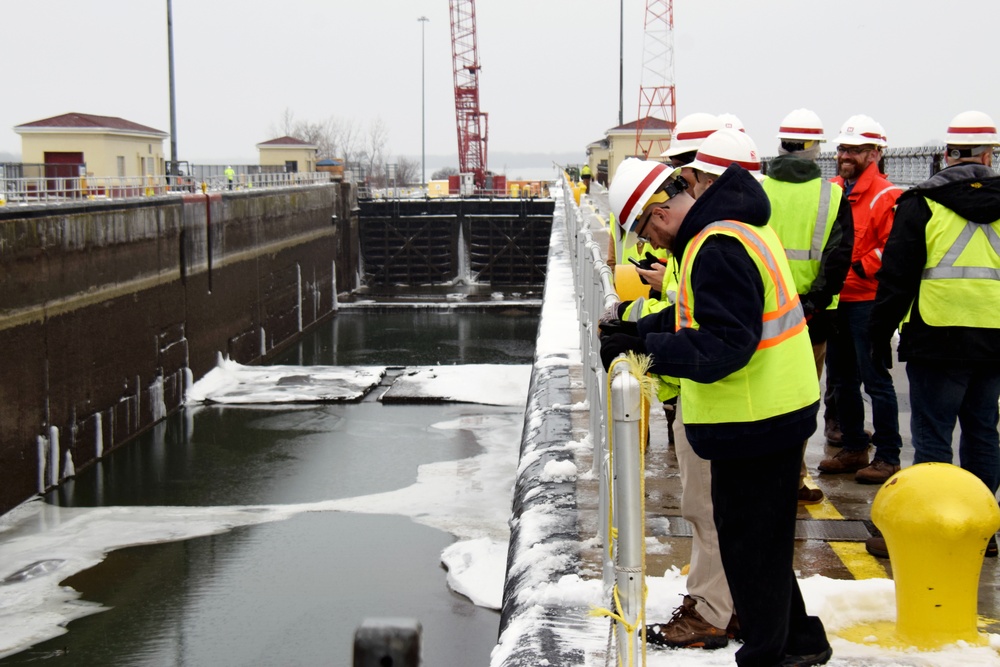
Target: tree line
x: 363, y: 149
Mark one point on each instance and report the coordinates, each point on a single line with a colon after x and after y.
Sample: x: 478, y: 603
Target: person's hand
x: 882, y: 353
x: 616, y: 344
x: 808, y: 309
x: 612, y: 313
x: 618, y: 327
x: 653, y: 276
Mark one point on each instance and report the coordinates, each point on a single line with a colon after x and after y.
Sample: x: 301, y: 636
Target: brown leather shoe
x: 733, y: 629
x: 808, y: 496
x: 846, y: 460
x: 686, y: 629
x: 876, y: 547
x: 877, y: 473
x: 832, y: 431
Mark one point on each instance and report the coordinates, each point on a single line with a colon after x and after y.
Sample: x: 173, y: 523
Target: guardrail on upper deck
x: 54, y: 190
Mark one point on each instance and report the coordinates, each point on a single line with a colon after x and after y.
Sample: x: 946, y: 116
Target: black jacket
x: 729, y: 306
x: 973, y: 192
x: 836, y: 258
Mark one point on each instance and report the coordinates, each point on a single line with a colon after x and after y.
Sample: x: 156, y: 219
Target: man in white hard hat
x: 705, y: 618
x: 873, y: 198
x: 813, y: 220
x: 940, y: 277
x: 737, y: 340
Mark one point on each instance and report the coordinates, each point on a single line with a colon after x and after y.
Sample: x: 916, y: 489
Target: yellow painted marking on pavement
x: 858, y: 561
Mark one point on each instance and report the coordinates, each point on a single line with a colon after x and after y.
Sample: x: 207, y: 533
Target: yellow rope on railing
x: 638, y: 367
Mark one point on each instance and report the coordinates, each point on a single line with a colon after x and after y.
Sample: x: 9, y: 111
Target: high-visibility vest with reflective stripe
x: 960, y: 284
x: 781, y: 375
x: 803, y: 214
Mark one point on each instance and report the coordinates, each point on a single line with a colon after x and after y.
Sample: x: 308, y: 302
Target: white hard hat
x: 860, y: 130
x: 690, y: 131
x: 972, y: 128
x: 730, y: 121
x: 801, y: 125
x: 634, y: 184
x: 724, y: 148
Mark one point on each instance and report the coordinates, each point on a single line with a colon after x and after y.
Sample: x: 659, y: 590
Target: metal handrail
x: 55, y: 190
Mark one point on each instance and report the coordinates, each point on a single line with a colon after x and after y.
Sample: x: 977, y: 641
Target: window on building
x: 121, y: 165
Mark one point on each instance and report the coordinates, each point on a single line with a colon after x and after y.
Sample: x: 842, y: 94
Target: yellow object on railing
x: 627, y: 283
x: 936, y: 519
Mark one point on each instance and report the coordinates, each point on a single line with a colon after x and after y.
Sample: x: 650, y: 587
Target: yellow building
x: 294, y: 155
x: 606, y: 154
x: 107, y: 145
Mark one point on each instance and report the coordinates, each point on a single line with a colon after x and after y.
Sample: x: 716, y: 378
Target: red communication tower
x: 657, y: 101
x: 472, y: 123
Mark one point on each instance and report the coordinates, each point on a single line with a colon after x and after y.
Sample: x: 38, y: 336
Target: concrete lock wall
x: 108, y: 309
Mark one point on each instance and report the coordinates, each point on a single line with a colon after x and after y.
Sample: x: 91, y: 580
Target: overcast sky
x: 550, y: 69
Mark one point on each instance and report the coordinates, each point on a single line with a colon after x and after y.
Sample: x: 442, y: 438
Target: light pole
x: 173, y: 104
x: 423, y: 105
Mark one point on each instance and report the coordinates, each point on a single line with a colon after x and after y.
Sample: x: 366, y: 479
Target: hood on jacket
x: 735, y: 195
x: 793, y: 169
x: 970, y: 190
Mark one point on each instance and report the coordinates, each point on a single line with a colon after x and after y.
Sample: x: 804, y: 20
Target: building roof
x: 74, y: 121
x: 286, y: 141
x: 650, y: 123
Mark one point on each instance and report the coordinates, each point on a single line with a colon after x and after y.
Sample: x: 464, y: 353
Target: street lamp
x: 423, y: 146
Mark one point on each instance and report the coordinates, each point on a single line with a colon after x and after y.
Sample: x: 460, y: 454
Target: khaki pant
x: 706, y: 581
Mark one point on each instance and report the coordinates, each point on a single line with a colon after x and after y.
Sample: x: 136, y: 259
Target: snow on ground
x: 236, y: 384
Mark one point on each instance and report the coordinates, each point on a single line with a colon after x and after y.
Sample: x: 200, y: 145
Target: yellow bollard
x: 627, y: 283
x: 936, y: 519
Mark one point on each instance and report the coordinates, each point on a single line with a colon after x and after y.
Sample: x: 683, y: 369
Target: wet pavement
x: 833, y: 550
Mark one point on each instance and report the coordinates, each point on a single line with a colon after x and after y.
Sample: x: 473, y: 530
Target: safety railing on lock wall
x: 905, y: 167
x: 52, y: 190
x: 618, y: 415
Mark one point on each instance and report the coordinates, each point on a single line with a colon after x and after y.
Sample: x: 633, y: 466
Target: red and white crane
x: 657, y: 100
x: 473, y: 126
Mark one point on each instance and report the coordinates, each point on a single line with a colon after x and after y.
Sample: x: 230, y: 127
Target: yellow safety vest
x: 802, y: 214
x: 781, y: 375
x: 960, y: 284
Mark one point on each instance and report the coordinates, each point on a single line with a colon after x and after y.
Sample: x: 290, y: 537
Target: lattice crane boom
x: 473, y: 125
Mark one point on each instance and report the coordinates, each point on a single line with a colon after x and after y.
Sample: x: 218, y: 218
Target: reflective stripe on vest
x: 779, y: 323
x: 815, y: 251
x: 960, y: 283
x: 780, y: 376
x: 803, y: 216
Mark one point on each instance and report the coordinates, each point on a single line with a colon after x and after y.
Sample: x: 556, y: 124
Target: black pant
x: 755, y: 505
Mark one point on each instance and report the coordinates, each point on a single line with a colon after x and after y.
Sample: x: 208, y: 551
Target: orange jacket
x: 873, y: 205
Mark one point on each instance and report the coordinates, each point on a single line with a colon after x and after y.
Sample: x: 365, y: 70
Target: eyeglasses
x: 643, y: 223
x: 854, y: 150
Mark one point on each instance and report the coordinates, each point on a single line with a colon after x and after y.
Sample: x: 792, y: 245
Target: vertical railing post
x: 628, y: 502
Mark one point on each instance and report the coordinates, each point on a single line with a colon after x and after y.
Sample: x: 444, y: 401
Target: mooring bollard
x: 387, y: 642
x: 936, y: 519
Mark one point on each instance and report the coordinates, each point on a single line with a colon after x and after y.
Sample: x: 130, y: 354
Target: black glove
x: 618, y: 327
x: 808, y: 309
x: 619, y: 343
x: 859, y: 268
x: 882, y: 353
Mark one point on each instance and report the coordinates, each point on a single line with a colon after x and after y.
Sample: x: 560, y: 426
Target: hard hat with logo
x: 972, y: 128
x: 860, y: 130
x: 724, y: 148
x: 731, y: 122
x: 801, y: 125
x: 690, y: 131
x: 634, y: 184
